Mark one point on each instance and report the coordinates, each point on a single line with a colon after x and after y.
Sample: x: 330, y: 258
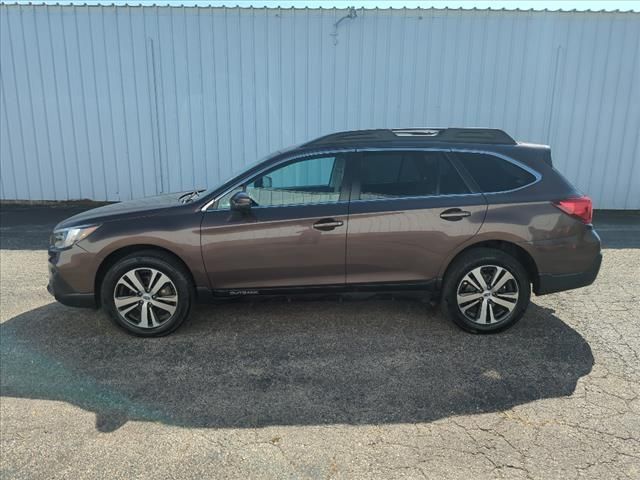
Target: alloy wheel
x: 487, y: 294
x: 145, y: 297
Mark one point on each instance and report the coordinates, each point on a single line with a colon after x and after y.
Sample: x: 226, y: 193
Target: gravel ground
x: 322, y: 389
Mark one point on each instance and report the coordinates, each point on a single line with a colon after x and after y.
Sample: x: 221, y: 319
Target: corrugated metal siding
x: 112, y: 103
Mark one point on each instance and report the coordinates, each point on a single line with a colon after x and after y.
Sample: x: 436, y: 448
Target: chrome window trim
x: 339, y: 202
x: 419, y: 197
x: 502, y: 156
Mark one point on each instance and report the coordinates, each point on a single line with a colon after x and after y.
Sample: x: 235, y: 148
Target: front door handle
x: 327, y: 224
x: 454, y: 214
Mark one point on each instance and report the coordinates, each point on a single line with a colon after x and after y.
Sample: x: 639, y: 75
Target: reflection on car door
x: 295, y: 235
x: 408, y: 211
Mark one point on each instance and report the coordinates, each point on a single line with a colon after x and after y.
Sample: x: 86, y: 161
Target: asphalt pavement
x: 319, y: 389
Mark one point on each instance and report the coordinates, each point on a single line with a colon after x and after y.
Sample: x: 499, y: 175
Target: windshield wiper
x: 188, y: 197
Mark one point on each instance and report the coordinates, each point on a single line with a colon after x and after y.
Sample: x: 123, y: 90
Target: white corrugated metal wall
x: 112, y: 103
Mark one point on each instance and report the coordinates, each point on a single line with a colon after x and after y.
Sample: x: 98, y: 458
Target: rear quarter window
x: 494, y: 174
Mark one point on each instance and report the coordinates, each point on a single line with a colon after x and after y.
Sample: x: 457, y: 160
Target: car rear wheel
x: 147, y: 293
x: 486, y: 291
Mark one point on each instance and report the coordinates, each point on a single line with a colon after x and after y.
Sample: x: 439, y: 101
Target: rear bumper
x: 551, y: 283
x: 62, y: 291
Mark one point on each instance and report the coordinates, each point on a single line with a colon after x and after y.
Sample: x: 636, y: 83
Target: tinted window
x: 408, y: 174
x: 314, y: 180
x: 493, y: 174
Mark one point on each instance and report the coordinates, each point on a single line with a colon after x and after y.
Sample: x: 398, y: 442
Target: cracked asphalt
x: 319, y: 389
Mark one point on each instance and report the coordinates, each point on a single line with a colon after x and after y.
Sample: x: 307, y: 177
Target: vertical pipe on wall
x: 153, y: 100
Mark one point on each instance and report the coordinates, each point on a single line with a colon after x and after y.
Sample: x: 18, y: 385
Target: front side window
x: 408, y: 174
x: 494, y: 174
x: 301, y: 182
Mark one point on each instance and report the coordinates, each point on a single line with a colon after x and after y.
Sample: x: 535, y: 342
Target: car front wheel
x: 486, y: 291
x: 148, y: 294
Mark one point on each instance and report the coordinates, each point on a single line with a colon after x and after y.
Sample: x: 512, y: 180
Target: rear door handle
x: 327, y: 224
x: 454, y: 214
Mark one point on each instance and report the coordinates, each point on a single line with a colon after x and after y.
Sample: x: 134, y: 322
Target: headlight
x: 67, y: 237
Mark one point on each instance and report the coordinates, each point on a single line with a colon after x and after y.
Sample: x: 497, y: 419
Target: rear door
x: 408, y: 210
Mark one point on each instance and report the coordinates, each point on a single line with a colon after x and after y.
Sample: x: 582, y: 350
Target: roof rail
x: 454, y: 135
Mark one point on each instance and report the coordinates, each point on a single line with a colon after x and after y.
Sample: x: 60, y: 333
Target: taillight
x: 580, y: 207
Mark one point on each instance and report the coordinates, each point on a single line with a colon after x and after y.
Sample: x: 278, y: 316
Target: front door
x: 409, y: 209
x: 294, y: 235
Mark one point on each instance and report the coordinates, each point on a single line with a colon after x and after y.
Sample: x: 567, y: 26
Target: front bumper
x: 61, y: 290
x: 551, y: 283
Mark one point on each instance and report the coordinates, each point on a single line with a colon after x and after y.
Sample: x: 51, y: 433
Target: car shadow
x: 302, y: 363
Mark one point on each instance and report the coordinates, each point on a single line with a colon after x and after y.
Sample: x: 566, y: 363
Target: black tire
x: 487, y: 259
x: 180, y: 285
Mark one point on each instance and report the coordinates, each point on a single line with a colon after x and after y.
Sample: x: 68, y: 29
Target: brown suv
x: 466, y: 215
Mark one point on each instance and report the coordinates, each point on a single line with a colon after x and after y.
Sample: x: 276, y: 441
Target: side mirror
x: 240, y: 202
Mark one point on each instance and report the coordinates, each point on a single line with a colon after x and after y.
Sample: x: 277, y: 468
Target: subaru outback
x: 468, y: 217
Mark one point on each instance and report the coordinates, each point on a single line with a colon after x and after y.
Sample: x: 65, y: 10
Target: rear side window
x: 408, y: 174
x: 494, y: 174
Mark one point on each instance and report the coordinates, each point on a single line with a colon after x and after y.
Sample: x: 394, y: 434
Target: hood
x: 129, y: 208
